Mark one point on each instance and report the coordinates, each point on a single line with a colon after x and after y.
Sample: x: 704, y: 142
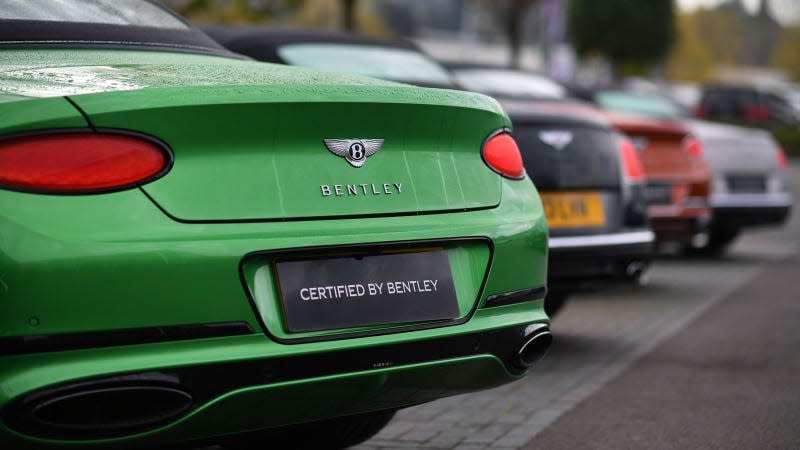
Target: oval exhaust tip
x: 535, y: 346
x: 107, y: 411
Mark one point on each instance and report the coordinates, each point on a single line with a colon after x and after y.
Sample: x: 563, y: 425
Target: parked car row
x: 749, y: 184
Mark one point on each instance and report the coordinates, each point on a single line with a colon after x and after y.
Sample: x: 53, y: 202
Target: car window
x: 373, y: 61
x: 111, y: 12
x: 629, y: 102
x: 715, y: 102
x: 741, y: 100
x: 779, y: 110
x: 509, y: 84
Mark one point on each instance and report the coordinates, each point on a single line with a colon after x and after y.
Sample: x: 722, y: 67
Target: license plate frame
x: 350, y: 291
x: 577, y: 209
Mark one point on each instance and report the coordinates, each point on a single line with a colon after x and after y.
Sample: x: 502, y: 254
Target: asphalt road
x: 707, y: 355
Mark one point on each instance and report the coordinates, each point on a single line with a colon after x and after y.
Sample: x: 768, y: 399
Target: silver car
x: 750, y: 184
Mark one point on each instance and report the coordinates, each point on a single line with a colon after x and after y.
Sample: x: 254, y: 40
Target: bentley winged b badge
x: 355, y: 151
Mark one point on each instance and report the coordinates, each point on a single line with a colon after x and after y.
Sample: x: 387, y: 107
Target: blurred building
x: 466, y: 30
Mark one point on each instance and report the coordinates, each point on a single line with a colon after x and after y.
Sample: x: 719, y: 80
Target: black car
x: 592, y: 187
x: 746, y: 104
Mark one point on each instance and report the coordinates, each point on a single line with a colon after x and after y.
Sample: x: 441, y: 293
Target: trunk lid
x: 568, y: 156
x: 576, y: 168
x: 248, y: 140
x: 732, y: 149
x: 659, y: 143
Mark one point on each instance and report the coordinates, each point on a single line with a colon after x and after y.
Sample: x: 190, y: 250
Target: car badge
x: 558, y: 139
x: 355, y: 151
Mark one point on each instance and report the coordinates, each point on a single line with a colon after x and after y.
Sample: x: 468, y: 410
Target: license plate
x: 659, y: 194
x: 573, y: 209
x: 747, y: 184
x: 346, y: 292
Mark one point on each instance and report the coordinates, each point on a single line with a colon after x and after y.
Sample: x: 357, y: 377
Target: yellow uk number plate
x: 573, y: 209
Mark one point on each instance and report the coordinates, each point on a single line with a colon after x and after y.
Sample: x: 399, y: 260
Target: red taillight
x: 631, y: 164
x: 501, y: 154
x: 692, y: 146
x: 756, y: 113
x: 783, y: 162
x: 700, y: 111
x: 80, y: 162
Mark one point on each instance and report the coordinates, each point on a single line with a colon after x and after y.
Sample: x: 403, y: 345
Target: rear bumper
x: 743, y: 210
x: 123, y: 291
x: 598, y: 257
x: 232, y: 389
x: 678, y: 224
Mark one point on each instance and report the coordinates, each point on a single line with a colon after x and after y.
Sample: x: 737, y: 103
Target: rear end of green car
x: 254, y: 279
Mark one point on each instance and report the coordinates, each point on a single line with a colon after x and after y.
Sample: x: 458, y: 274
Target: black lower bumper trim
x: 206, y: 382
x: 749, y: 216
x: 510, y: 298
x: 110, y: 338
x: 594, y: 264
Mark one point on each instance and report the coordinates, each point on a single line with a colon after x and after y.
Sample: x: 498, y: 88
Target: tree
x: 233, y: 11
x: 691, y: 59
x: 630, y: 34
x: 349, y: 14
x: 514, y: 17
x: 511, y: 13
x: 785, y: 55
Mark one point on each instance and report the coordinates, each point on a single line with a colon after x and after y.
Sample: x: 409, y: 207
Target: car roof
x: 264, y: 41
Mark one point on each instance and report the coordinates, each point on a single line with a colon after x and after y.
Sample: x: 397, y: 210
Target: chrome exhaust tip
x: 536, y: 342
x: 638, y: 271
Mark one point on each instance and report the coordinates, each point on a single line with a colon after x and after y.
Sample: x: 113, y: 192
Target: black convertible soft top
x: 263, y: 42
x: 21, y: 34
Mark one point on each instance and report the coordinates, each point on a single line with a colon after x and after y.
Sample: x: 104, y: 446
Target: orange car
x: 678, y: 180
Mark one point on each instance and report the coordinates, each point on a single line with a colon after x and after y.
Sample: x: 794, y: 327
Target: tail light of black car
x: 80, y: 162
x: 634, y: 184
x: 756, y: 113
x: 501, y: 154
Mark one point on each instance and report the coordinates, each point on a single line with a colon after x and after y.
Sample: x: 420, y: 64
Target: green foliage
x: 233, y: 11
x: 786, y: 54
x: 789, y: 139
x: 627, y: 32
x: 691, y: 58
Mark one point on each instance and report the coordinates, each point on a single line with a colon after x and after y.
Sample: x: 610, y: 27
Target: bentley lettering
x: 341, y: 190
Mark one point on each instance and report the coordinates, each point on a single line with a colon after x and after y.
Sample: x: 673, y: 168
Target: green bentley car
x: 200, y: 248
